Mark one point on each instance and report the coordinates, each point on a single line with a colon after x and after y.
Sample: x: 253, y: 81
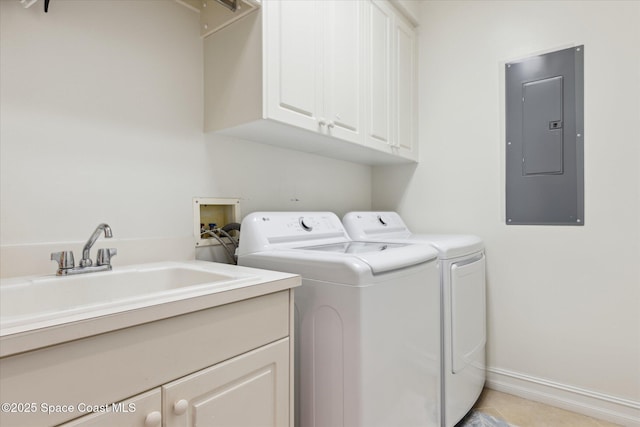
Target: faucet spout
x: 86, y: 258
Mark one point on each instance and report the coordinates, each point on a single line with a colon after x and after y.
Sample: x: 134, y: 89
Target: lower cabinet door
x: 249, y: 390
x: 142, y: 410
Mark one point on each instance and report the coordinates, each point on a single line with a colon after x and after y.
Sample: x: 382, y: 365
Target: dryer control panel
x: 368, y: 225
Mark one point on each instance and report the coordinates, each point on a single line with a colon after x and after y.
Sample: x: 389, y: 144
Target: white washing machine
x: 367, y: 320
x: 463, y: 314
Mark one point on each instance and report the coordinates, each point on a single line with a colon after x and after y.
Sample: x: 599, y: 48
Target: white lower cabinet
x: 228, y: 365
x: 249, y: 390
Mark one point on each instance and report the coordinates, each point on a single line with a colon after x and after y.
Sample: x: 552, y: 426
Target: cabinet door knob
x: 153, y: 419
x: 180, y: 407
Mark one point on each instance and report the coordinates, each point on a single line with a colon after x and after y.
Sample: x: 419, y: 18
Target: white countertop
x: 42, y: 333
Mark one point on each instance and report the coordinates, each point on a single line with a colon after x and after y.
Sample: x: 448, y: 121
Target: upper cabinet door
x: 342, y: 69
x: 391, y: 81
x: 292, y: 58
x: 379, y: 30
x: 405, y: 89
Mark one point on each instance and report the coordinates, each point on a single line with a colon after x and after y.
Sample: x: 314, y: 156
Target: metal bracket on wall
x: 217, y: 14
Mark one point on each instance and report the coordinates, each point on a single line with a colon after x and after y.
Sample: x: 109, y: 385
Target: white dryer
x: 463, y: 305
x: 367, y: 320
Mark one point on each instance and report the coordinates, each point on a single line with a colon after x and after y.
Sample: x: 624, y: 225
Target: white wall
x: 101, y: 108
x: 563, y: 302
x: 101, y: 113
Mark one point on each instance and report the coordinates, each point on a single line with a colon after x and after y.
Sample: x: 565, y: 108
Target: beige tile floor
x: 526, y: 413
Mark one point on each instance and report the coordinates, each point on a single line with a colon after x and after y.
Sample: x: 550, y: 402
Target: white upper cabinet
x: 293, y: 59
x: 405, y: 90
x: 379, y: 31
x: 314, y: 67
x: 391, y: 86
x: 317, y: 75
x: 343, y: 70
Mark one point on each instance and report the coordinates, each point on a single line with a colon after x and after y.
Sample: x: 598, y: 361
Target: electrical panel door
x: 545, y: 139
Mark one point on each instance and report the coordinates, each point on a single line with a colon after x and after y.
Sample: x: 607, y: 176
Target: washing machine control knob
x: 304, y: 226
x: 382, y: 221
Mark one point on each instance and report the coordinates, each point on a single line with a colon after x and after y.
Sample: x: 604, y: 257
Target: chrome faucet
x: 86, y: 258
x: 65, y: 259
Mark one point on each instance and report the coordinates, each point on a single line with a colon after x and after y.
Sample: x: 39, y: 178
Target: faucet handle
x: 65, y: 259
x: 104, y: 256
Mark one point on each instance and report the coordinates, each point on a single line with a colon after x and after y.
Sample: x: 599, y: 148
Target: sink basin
x: 34, y: 300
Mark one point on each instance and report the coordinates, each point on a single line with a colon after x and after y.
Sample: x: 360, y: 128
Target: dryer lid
x: 389, y: 227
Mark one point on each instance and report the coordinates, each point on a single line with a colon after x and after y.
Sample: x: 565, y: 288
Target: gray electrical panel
x: 545, y: 139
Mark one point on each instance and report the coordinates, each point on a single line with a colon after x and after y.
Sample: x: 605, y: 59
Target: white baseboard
x: 598, y: 405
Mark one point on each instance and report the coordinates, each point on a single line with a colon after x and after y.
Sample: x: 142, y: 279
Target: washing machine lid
x: 354, y: 247
x: 379, y: 256
x: 341, y: 267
